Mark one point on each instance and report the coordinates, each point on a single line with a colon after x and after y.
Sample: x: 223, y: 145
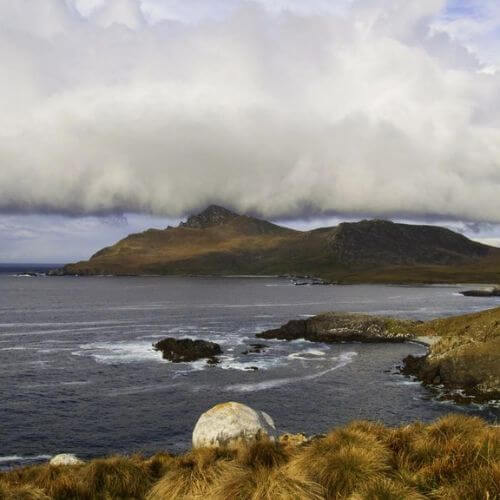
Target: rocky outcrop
x: 464, y: 364
x: 185, y: 350
x: 228, y: 423
x: 484, y: 292
x: 463, y: 360
x: 342, y: 327
x: 65, y: 459
x: 458, y: 379
x: 211, y: 216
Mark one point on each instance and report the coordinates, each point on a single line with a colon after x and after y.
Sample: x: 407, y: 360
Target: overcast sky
x: 118, y: 115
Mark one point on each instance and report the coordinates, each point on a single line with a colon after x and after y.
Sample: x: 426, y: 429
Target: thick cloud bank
x: 161, y: 107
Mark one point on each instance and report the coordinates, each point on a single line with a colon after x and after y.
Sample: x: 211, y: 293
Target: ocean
x: 78, y: 373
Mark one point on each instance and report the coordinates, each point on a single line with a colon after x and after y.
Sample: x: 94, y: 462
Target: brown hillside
x: 220, y: 242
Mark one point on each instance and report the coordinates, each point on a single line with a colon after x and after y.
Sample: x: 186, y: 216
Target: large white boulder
x: 65, y: 459
x: 227, y: 423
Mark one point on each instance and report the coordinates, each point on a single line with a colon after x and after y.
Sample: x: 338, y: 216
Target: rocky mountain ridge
x: 220, y: 242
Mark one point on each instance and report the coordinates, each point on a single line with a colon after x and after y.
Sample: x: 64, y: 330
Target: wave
x: 141, y: 389
x: 306, y: 354
x: 67, y: 323
x: 8, y: 461
x: 230, y: 363
x: 72, y: 330
x: 119, y: 352
x: 343, y: 360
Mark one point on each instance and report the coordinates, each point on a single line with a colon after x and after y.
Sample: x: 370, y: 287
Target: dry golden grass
x: 456, y: 457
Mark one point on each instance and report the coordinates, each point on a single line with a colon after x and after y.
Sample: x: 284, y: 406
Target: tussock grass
x: 455, y: 457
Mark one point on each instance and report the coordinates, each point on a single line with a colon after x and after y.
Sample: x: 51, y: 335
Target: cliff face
x: 466, y: 359
x: 381, y: 241
x: 218, y: 241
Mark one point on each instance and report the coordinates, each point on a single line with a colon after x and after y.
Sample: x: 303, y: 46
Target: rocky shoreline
x: 344, y: 327
x: 462, y: 362
x: 483, y: 292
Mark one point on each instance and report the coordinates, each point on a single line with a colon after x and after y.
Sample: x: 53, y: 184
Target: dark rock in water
x: 256, y: 349
x: 486, y: 292
x: 185, y: 350
x: 339, y: 327
x: 252, y: 368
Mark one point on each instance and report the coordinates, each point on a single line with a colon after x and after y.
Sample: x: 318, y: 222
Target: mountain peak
x: 213, y: 215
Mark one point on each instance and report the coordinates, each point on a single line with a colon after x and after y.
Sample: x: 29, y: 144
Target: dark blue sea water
x: 78, y: 373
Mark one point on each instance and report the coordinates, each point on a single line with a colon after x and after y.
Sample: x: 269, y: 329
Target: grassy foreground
x: 456, y: 457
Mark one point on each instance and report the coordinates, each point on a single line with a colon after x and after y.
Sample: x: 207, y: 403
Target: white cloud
x: 108, y: 109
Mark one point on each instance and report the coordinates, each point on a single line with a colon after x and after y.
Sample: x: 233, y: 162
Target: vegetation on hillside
x: 456, y: 457
x: 220, y: 242
x: 466, y: 358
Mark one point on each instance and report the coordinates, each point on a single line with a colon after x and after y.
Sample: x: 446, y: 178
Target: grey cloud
x: 24, y: 238
x: 271, y: 112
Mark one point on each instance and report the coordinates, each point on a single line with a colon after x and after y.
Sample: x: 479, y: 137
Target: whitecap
x: 119, y: 352
x: 306, y: 354
x: 230, y: 363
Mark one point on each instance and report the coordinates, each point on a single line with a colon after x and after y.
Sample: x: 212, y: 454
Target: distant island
x: 220, y: 242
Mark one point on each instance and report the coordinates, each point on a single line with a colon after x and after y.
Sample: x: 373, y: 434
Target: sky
x: 119, y: 115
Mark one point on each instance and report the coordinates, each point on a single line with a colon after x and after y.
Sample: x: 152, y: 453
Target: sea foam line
x: 17, y: 458
x: 344, y: 359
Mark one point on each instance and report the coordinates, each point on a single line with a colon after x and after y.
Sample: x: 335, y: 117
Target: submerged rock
x: 342, y: 327
x: 228, y: 423
x: 256, y: 349
x: 185, y: 350
x: 65, y: 459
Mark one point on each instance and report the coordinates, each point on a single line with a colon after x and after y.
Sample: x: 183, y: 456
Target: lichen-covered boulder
x: 65, y: 459
x: 228, y: 423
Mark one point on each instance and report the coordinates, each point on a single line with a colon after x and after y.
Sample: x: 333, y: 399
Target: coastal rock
x: 65, y: 459
x: 231, y: 422
x: 485, y: 292
x: 255, y: 349
x: 185, y: 350
x: 214, y: 215
x: 341, y: 327
x: 462, y: 373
